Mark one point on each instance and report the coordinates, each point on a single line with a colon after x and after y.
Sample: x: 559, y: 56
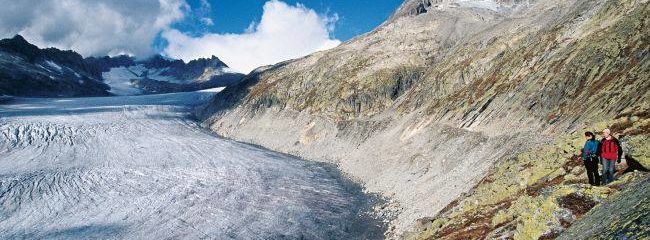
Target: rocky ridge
x: 26, y: 70
x: 427, y: 105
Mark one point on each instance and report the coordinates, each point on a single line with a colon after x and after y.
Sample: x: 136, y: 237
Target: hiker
x: 610, y: 152
x: 590, y: 158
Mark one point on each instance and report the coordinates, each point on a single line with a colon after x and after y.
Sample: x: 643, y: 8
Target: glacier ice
x: 139, y: 167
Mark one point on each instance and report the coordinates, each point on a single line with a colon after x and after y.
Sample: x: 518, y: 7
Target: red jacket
x: 610, y: 149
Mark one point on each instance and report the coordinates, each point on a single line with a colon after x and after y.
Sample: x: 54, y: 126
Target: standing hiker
x: 590, y: 158
x: 610, y: 152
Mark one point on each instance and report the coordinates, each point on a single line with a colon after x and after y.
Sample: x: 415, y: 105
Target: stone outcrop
x: 631, y: 218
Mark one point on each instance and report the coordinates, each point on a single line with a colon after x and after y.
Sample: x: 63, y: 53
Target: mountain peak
x: 19, y: 45
x: 16, y: 41
x: 413, y: 7
x: 19, y: 37
x: 417, y: 7
x: 160, y: 61
x: 213, y: 61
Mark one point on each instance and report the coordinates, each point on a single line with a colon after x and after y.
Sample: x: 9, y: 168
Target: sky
x: 245, y: 34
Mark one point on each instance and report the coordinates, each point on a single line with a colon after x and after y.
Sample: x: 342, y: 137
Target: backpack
x: 609, y: 149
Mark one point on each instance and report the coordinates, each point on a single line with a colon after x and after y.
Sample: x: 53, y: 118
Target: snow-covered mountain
x: 26, y: 70
x: 128, y: 76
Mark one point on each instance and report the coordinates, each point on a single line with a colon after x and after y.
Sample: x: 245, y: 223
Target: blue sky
x: 234, y: 16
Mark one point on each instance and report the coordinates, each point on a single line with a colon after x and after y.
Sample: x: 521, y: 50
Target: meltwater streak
x: 138, y: 167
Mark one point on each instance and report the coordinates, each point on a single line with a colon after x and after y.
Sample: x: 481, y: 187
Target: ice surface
x: 138, y: 167
x: 119, y: 79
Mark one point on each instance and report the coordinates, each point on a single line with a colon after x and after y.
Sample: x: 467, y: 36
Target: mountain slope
x: 421, y: 108
x: 26, y: 70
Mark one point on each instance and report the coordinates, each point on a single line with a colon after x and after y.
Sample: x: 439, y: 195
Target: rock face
x: 422, y: 107
x: 26, y: 70
x: 631, y: 221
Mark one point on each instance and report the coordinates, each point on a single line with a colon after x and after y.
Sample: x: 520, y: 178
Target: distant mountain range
x: 26, y: 70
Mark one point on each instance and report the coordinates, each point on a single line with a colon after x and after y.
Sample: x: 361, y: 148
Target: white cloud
x: 283, y: 33
x: 204, y: 12
x: 207, y: 21
x: 90, y: 27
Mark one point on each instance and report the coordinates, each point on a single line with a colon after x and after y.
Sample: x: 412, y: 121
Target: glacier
x: 140, y: 167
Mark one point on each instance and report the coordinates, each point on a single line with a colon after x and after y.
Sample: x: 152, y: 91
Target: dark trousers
x: 591, y: 164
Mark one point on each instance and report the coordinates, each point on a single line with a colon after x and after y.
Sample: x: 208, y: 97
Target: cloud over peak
x: 91, y: 27
x: 284, y: 32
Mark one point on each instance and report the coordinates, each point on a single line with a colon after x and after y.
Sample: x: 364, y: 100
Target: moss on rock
x: 536, y: 195
x: 625, y: 216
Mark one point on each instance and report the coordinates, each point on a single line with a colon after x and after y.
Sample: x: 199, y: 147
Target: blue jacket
x: 591, y: 147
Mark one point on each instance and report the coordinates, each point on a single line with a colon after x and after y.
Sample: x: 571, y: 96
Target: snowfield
x: 119, y: 79
x: 139, y: 167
